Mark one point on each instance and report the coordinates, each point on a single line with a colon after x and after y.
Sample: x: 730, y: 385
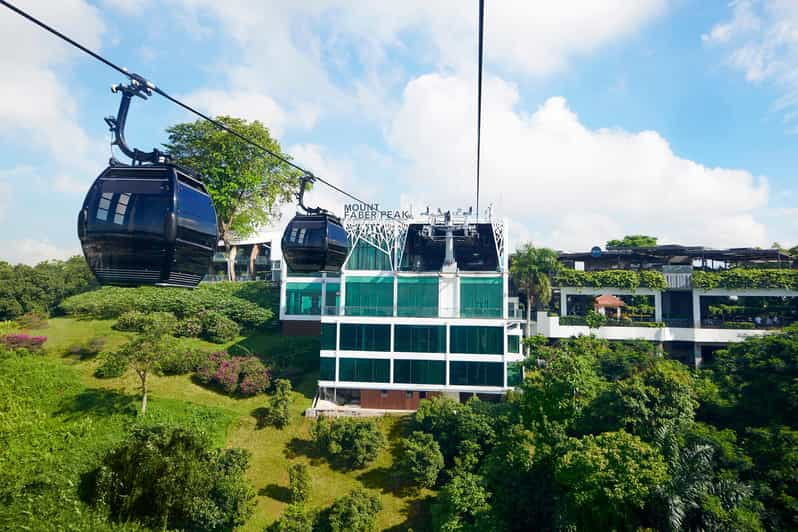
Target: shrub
x: 351, y: 443
x: 421, y: 459
x: 299, y: 483
x: 7, y: 327
x: 170, y: 477
x: 88, y: 349
x: 113, y: 365
x: 131, y: 321
x: 296, y: 518
x: 276, y: 413
x: 25, y: 342
x: 190, y: 327
x: 33, y: 320
x: 217, y: 328
x: 183, y: 361
x: 611, y: 279
x: 595, y: 319
x: 244, y: 376
x: 111, y: 302
x: 356, y: 512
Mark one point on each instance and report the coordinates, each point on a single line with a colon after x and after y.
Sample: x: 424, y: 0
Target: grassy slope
x: 272, y: 449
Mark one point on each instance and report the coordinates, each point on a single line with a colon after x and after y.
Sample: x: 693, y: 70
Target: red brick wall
x: 301, y: 328
x: 392, y: 399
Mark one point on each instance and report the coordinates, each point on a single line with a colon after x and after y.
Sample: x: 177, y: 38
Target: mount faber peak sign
x: 373, y: 212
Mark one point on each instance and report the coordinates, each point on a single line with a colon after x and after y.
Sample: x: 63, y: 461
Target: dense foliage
x: 276, y: 413
x: 614, y: 436
x: 420, y: 460
x: 299, y: 483
x: 42, y: 287
x: 626, y: 279
x: 235, y: 303
x: 355, y: 512
x: 633, y: 241
x: 173, y: 478
x: 350, y: 443
x: 747, y: 278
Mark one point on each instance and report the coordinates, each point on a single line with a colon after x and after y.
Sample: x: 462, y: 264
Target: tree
x: 246, y: 185
x: 608, y: 478
x: 350, y: 442
x: 171, y: 477
x: 421, y: 459
x: 146, y: 350
x: 296, y: 518
x: 277, y: 412
x: 299, y: 483
x: 532, y: 269
x: 633, y: 241
x: 452, y: 423
x: 462, y: 504
x: 355, y: 512
x: 595, y: 319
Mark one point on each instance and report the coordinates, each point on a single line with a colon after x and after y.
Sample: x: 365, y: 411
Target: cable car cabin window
x: 196, y: 215
x: 130, y: 206
x: 310, y: 234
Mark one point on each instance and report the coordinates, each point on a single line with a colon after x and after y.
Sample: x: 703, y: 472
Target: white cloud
x: 574, y: 187
x: 761, y: 41
x: 32, y: 251
x: 339, y: 56
x: 36, y: 103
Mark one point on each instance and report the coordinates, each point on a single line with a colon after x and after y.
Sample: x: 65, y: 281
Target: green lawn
x: 234, y: 424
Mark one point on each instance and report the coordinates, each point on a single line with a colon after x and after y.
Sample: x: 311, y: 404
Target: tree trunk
x: 230, y: 250
x: 143, y: 377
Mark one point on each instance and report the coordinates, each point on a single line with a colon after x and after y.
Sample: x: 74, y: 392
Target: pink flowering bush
x: 235, y: 375
x: 24, y: 341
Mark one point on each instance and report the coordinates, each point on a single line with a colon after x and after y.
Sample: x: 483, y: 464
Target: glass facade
x: 332, y: 297
x: 513, y: 344
x: 326, y: 369
x: 476, y: 373
x: 419, y: 371
x: 369, y: 296
x: 417, y: 297
x: 361, y: 337
x: 303, y: 299
x: 477, y: 340
x: 367, y: 257
x: 329, y: 334
x: 419, y: 338
x: 365, y: 370
x: 481, y: 297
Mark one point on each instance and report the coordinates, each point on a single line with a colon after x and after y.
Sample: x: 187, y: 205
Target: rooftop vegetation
x: 625, y: 279
x: 747, y: 278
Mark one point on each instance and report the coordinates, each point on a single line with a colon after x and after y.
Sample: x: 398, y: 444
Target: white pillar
x: 696, y: 309
x: 342, y: 302
x: 697, y: 355
x: 323, y: 293
x: 563, y: 302
x: 395, y: 297
x: 657, y: 306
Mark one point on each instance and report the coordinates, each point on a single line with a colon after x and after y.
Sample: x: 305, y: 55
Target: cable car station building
x: 420, y: 308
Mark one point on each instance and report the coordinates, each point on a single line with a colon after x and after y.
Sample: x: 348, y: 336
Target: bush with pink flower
x: 235, y: 375
x: 21, y: 341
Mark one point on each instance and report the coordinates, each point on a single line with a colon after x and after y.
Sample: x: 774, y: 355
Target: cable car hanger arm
x: 138, y: 87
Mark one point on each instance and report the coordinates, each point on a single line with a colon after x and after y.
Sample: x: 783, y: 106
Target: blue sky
x: 670, y: 117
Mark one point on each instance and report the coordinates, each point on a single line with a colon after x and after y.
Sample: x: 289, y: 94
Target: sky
x: 675, y: 118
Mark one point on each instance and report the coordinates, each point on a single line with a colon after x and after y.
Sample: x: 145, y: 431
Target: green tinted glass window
x: 419, y: 339
x: 481, y: 297
x: 419, y: 371
x: 513, y: 344
x: 326, y: 369
x: 417, y: 297
x: 332, y: 297
x: 369, y: 296
x: 515, y: 373
x: 361, y: 337
x: 364, y: 370
x: 303, y: 298
x: 476, y: 373
x: 328, y: 335
x: 477, y: 340
x: 367, y: 257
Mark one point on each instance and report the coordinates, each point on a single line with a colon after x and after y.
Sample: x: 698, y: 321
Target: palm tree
x: 532, y: 269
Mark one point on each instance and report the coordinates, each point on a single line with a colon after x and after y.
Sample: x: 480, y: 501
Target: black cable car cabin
x: 315, y: 243
x: 148, y: 225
